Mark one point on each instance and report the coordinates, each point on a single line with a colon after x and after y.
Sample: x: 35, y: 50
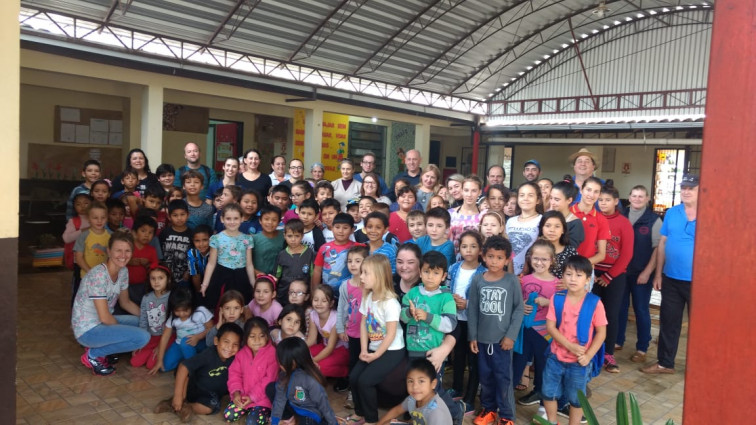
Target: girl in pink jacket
x: 254, y: 367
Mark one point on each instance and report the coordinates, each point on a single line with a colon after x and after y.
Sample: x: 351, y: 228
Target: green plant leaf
x: 635, y: 410
x: 670, y: 422
x: 621, y: 409
x: 539, y: 420
x: 587, y: 409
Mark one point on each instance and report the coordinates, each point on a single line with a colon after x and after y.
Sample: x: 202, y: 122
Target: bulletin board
x: 64, y: 162
x: 82, y: 126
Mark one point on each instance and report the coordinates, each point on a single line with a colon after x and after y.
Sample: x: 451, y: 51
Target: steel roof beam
x: 326, y: 28
x: 394, y: 46
x: 223, y: 23
x: 640, y: 9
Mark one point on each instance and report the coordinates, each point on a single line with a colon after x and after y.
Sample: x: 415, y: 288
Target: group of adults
x: 664, y: 251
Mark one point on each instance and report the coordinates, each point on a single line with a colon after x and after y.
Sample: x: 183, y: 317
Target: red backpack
x: 68, y: 253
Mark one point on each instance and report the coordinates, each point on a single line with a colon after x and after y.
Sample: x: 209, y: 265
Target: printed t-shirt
x: 175, y: 246
x: 544, y: 289
x: 96, y: 285
x: 435, y: 412
x: 233, y: 254
x: 522, y: 235
x: 193, y: 325
x: 94, y: 247
x: 377, y: 314
x: 270, y: 315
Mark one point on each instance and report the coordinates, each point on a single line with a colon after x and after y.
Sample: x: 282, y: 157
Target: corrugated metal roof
x: 465, y: 48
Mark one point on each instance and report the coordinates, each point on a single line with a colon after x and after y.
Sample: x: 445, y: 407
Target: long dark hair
x: 564, y: 240
x: 181, y: 298
x: 146, y: 161
x: 293, y: 354
x: 567, y: 187
x: 539, y: 198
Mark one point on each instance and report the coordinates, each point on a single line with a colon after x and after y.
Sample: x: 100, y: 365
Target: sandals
x: 638, y: 357
x: 350, y: 420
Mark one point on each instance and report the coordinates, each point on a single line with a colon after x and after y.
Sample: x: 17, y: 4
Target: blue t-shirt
x: 446, y: 248
x: 678, y: 251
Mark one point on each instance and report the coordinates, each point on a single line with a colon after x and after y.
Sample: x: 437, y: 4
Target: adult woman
x: 296, y: 172
x: 346, y: 187
x: 406, y: 200
x: 610, y: 273
x: 137, y: 160
x: 253, y: 178
x: 454, y: 185
x: 230, y: 171
x: 561, y: 197
x: 317, y: 170
x: 278, y: 170
x: 594, y: 224
x: 429, y: 184
x: 92, y: 320
x: 646, y: 227
x: 371, y: 187
x: 407, y: 276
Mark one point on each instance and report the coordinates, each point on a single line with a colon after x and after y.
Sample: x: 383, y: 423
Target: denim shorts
x: 560, y: 378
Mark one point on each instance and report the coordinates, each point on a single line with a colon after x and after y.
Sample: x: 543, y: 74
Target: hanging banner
x: 299, y: 134
x: 335, y: 140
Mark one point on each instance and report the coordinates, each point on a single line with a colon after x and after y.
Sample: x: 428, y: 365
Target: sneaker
x: 542, y: 412
x: 462, y: 408
x: 505, y: 421
x: 112, y: 359
x: 565, y: 412
x: 164, y: 406
x: 341, y: 385
x: 610, y: 364
x: 470, y: 409
x: 349, y: 403
x: 99, y: 366
x: 485, y: 417
x: 530, y: 398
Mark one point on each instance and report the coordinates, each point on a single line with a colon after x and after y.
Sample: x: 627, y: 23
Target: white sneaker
x: 542, y: 412
x: 349, y: 403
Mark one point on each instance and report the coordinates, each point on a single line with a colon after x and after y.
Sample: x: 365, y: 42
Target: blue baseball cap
x: 534, y: 162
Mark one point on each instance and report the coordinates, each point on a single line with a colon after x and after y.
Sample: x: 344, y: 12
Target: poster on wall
x: 335, y: 143
x: 51, y: 162
x: 299, y: 134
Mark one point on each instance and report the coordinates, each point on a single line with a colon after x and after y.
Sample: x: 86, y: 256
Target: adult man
x: 192, y: 156
x: 531, y: 170
x: 674, y: 271
x: 368, y: 166
x: 278, y: 173
x: 412, y: 170
x: 584, y: 164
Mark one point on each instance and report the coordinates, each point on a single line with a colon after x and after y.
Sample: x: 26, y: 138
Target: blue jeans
x: 563, y: 380
x: 495, y: 371
x: 641, y: 299
x: 180, y: 350
x: 104, y: 340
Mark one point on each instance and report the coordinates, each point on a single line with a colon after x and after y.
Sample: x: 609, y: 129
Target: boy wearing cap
x: 531, y: 170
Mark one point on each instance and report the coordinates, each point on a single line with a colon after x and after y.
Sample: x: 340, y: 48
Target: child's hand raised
x: 418, y: 314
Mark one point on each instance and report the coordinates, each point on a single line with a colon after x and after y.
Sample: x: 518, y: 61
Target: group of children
x: 311, y: 287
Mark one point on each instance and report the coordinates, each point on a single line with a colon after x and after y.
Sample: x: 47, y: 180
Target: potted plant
x: 622, y: 416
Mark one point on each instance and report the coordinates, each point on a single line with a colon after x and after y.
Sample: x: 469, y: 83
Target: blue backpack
x: 585, y: 318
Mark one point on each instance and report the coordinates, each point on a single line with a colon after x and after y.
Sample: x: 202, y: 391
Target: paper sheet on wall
x: 98, y: 125
x: 70, y: 114
x: 116, y: 126
x: 98, y: 137
x: 82, y: 134
x: 115, y: 139
x: 67, y: 133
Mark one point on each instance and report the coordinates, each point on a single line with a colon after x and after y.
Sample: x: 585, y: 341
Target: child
x: 437, y: 222
x: 90, y: 248
x: 537, y: 289
x: 153, y: 200
x: 300, y: 386
x: 423, y: 404
x: 416, y: 224
x: 231, y: 310
x: 175, y: 242
x: 217, y: 199
x: 578, y: 334
x: 198, y: 256
x: 348, y: 313
x: 100, y: 191
x: 294, y: 262
x: 250, y: 201
x: 330, y: 261
x: 300, y: 191
x: 381, y: 338
x: 228, y: 195
x: 406, y: 200
x: 497, y: 197
x: 230, y: 263
x: 264, y: 304
x: 143, y: 259
x: 553, y: 228
x: 510, y: 207
x: 353, y: 209
x: 491, y: 223
x: 522, y: 229
x: 166, y: 175
x: 375, y: 227
x: 74, y: 227
x: 91, y: 174
x: 253, y: 368
x: 494, y: 314
x: 299, y: 294
x: 313, y: 234
x: 191, y: 324
x: 323, y: 191
x: 428, y: 310
x: 153, y: 314
x: 129, y: 195
x: 199, y: 212
x: 328, y: 210
x: 268, y: 242
x: 437, y: 201
x: 290, y: 323
x: 365, y: 208
x: 201, y: 381
x: 175, y: 193
x: 331, y: 355
x: 467, y: 215
x: 116, y: 213
x: 460, y: 277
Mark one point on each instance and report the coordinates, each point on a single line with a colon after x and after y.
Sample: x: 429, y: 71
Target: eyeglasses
x: 297, y: 195
x: 368, y: 182
x: 295, y: 167
x: 540, y: 260
x: 297, y: 294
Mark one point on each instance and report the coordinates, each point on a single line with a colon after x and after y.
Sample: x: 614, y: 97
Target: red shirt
x: 398, y: 227
x: 138, y: 274
x: 596, y: 229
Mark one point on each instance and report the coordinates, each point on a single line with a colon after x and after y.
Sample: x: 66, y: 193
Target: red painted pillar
x: 476, y: 149
x: 721, y: 373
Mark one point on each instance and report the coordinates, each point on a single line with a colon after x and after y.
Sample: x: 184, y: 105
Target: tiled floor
x: 53, y: 386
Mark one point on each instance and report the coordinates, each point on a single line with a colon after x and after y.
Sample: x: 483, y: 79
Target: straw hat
x: 584, y: 152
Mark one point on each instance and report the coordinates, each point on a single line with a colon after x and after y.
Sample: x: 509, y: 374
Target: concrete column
x: 313, y: 146
x: 422, y: 141
x: 152, y: 123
